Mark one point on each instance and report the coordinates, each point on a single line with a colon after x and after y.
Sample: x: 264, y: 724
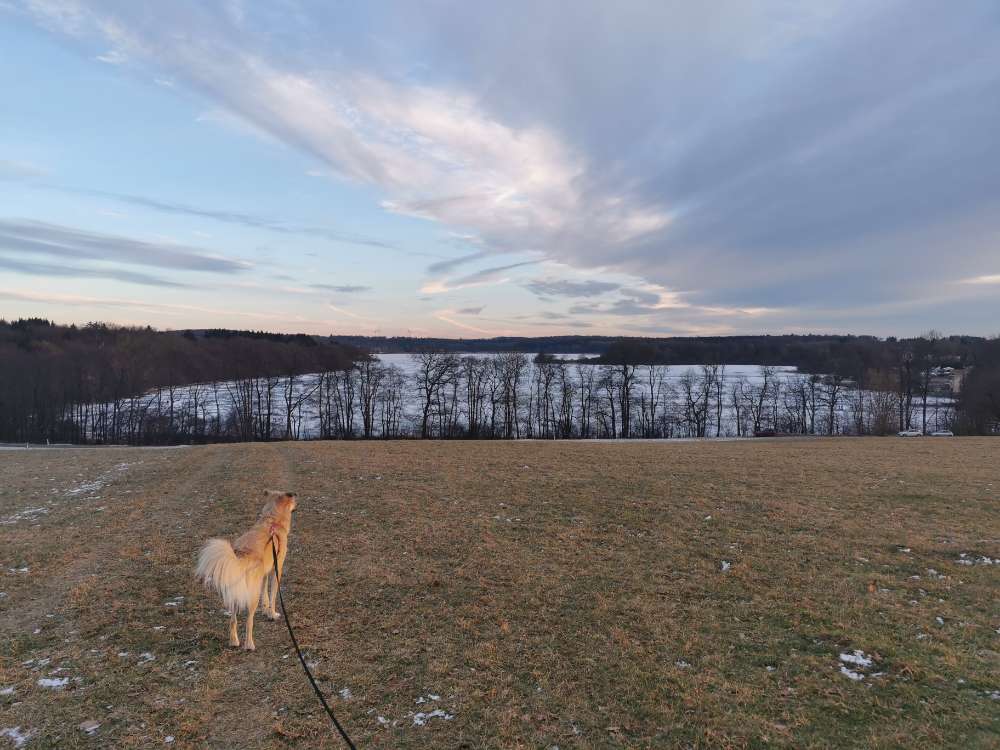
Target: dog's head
x: 282, y: 500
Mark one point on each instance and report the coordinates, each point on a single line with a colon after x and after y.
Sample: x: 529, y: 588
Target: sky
x: 521, y: 168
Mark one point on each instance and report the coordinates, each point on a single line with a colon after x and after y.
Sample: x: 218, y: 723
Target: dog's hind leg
x: 264, y: 598
x: 272, y: 613
x: 234, y: 637
x: 248, y: 636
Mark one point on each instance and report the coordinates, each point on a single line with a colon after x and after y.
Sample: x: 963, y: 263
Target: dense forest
x: 57, y: 381
x: 103, y: 383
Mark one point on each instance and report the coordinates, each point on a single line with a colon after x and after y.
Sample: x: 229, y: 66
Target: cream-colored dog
x: 243, y: 572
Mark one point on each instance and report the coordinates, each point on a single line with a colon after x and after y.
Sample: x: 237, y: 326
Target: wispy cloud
x: 172, y: 309
x: 496, y: 275
x: 78, y: 272
x: 993, y: 278
x: 19, y: 170
x: 112, y: 57
x: 342, y: 288
x: 471, y: 310
x: 239, y: 218
x: 450, y: 264
x: 448, y: 316
x: 40, y: 238
x: 568, y: 288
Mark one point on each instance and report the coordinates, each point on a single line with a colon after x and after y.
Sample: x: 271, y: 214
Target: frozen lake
x: 509, y: 396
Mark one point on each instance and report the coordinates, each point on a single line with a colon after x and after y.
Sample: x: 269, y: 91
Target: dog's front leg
x: 234, y: 636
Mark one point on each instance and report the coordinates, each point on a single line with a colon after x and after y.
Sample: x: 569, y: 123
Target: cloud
x: 568, y: 288
x: 113, y: 57
x: 993, y: 278
x: 19, y: 170
x: 78, y: 272
x: 76, y: 300
x: 662, y: 307
x: 448, y: 316
x: 433, y: 150
x: 40, y: 238
x: 470, y: 310
x: 450, y: 264
x: 496, y: 275
x: 234, y: 217
x: 342, y: 289
x: 754, y: 155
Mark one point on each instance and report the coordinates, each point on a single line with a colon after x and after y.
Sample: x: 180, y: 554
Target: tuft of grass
x: 539, y: 594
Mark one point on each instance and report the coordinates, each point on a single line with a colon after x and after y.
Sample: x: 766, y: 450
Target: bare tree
x: 586, y: 376
x: 433, y: 372
x: 390, y: 401
x: 652, y: 399
x: 475, y: 374
x: 371, y: 373
x: 609, y: 383
x: 694, y: 393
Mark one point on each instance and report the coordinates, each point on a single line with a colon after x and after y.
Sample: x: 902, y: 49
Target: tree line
x: 115, y: 384
x: 510, y: 396
x: 109, y: 384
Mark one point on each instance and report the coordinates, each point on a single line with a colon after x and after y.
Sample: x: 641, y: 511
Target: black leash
x: 312, y: 680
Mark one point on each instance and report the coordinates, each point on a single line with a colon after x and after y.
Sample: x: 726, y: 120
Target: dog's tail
x: 220, y: 569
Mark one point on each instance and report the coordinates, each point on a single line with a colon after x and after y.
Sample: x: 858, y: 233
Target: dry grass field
x: 512, y: 595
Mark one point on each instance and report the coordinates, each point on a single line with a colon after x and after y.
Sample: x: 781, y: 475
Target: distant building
x: 946, y: 381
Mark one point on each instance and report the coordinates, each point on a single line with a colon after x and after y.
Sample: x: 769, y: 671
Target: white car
x: 942, y: 433
x: 910, y: 433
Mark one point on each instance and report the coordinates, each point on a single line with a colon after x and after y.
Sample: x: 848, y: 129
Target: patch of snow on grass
x: 965, y: 559
x: 56, y: 683
x: 346, y: 693
x: 858, y: 658
x: 860, y: 661
x: 16, y: 736
x: 421, y: 718
x: 726, y: 565
x: 7, y: 690
x: 93, y: 486
x: 29, y: 514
